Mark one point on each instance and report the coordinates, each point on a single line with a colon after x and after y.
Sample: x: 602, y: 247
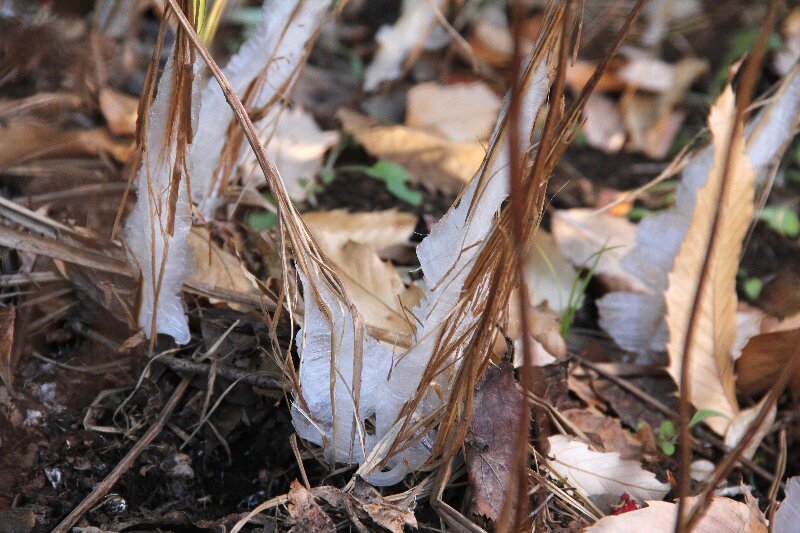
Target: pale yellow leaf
x: 711, y: 366
x: 382, y: 230
x: 216, y: 268
x: 722, y: 515
x: 548, y: 274
x: 582, y: 233
x: 374, y: 287
x: 602, y: 473
x: 459, y: 112
x: 433, y: 161
x: 741, y: 423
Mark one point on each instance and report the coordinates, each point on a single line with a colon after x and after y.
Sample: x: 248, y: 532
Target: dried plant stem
x: 744, y: 97
x: 104, y: 486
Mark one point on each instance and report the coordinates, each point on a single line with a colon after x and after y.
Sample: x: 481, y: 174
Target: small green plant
x: 667, y: 434
x: 749, y: 286
x: 394, y: 176
x: 781, y: 219
x: 578, y: 289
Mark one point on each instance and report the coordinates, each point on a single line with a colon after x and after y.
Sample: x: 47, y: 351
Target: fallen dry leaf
x: 119, y: 110
x: 602, y: 473
x: 374, y: 287
x: 722, y: 514
x: 603, y: 124
x: 582, y: 233
x: 490, y: 442
x: 741, y: 423
x: 216, y: 268
x: 306, y: 514
x: 383, y: 230
x: 549, y: 275
x: 434, y: 162
x: 787, y: 517
x: 388, y: 515
x: 544, y: 329
x: 396, y: 42
x: 607, y: 430
x: 296, y: 145
x: 8, y: 316
x: 763, y: 359
x: 459, y: 112
x: 711, y: 366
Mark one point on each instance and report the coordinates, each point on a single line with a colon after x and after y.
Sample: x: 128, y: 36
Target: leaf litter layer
x: 398, y: 369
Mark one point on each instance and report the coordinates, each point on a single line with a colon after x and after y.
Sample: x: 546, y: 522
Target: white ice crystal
x: 165, y: 261
x: 389, y: 380
x: 273, y: 55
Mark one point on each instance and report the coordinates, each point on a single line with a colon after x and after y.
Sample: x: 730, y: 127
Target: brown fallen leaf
x: 490, y: 441
x: 651, y: 120
x: 8, y: 317
x: 763, y: 359
x: 25, y: 139
x: 722, y: 514
x: 296, y: 145
x: 461, y: 112
x: 215, y: 268
x: 549, y: 275
x: 607, y: 430
x: 388, y: 515
x: 711, y: 366
x: 432, y: 161
x: 305, y: 513
x: 119, y: 110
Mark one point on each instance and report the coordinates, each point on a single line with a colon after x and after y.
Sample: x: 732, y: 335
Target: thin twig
x: 104, y: 486
x: 255, y: 379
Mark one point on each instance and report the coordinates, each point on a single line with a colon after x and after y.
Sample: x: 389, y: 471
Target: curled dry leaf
x: 787, y: 517
x: 391, y: 516
x: 306, y: 514
x: 119, y: 110
x: 490, y: 441
x: 459, y: 112
x: 722, y: 514
x: 602, y: 474
x: 544, y: 329
x: 740, y: 425
x: 709, y: 348
x: 581, y: 234
x: 433, y: 161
